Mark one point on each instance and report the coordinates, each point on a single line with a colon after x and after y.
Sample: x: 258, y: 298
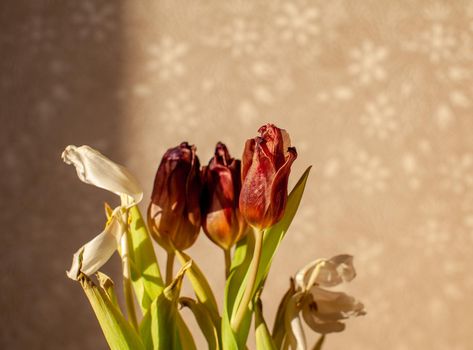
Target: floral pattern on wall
x: 377, y: 96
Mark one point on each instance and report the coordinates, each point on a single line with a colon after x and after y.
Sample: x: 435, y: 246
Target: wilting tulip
x: 221, y: 218
x: 322, y: 309
x: 95, y: 169
x: 174, y: 212
x: 267, y: 161
x: 95, y: 253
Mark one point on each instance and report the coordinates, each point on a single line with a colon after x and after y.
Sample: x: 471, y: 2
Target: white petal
x: 94, y: 254
x: 332, y: 303
x: 327, y: 273
x: 317, y: 322
x: 303, y: 275
x: 94, y: 168
x: 293, y: 324
x: 344, y: 265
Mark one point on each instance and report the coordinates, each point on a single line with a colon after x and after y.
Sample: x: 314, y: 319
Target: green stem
x: 130, y: 303
x: 228, y: 262
x: 169, y: 267
x: 250, y: 285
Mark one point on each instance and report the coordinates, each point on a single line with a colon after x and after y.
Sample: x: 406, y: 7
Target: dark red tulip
x: 267, y: 161
x: 174, y: 212
x: 221, y: 218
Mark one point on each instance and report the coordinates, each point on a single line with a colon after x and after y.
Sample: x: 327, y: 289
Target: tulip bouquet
x: 244, y: 208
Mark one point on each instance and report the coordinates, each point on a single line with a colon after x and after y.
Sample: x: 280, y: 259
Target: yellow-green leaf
x: 159, y: 328
x: 108, y: 287
x: 183, y: 337
x: 279, y: 329
x: 145, y: 273
x: 119, y: 334
x: 263, y: 337
x: 240, y: 262
x: 201, y: 287
x: 205, y: 322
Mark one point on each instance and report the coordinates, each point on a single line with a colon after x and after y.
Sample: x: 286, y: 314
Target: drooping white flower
x: 95, y: 169
x: 94, y: 254
x: 322, y: 309
x: 326, y: 273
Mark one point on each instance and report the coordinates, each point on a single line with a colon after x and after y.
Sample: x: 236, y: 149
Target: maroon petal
x: 253, y: 197
x: 247, y: 158
x: 278, y: 194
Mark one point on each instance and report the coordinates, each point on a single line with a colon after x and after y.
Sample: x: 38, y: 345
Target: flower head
x: 174, y: 212
x: 267, y: 161
x: 95, y: 169
x: 221, y: 218
x: 94, y: 254
x: 323, y: 309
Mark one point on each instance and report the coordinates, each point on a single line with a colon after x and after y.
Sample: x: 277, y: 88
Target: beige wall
x: 377, y: 95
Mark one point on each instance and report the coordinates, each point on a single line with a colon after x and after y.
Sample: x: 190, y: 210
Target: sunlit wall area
x: 376, y: 95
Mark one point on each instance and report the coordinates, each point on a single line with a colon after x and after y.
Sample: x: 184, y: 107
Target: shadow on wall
x: 61, y: 65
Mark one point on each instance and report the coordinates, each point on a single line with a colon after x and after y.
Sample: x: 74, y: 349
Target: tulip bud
x: 221, y: 218
x: 174, y: 211
x: 267, y: 161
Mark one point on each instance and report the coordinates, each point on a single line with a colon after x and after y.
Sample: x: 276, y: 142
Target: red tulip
x: 174, y: 212
x: 221, y: 218
x: 267, y: 161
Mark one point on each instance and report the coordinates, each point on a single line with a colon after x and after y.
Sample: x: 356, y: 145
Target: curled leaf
x: 119, y: 334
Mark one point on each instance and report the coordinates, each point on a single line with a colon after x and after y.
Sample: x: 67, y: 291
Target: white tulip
x: 326, y: 273
x: 322, y: 309
x: 95, y: 169
x: 94, y: 254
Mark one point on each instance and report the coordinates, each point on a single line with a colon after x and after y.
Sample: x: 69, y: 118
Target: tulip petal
x: 331, y: 302
x: 320, y: 326
x: 326, y: 273
x: 343, y: 265
x: 94, y: 254
x: 95, y: 169
x: 278, y: 195
x: 294, y: 330
x: 247, y: 157
x: 255, y: 194
x: 316, y: 320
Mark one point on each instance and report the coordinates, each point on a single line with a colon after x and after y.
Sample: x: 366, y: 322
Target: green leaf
x: 144, y: 268
x: 320, y: 342
x: 205, y: 322
x: 117, y: 331
x: 156, y: 328
x: 263, y: 337
x: 183, y: 337
x: 201, y: 287
x: 159, y: 328
x: 272, y: 238
x: 108, y: 287
x: 240, y: 262
x: 279, y: 329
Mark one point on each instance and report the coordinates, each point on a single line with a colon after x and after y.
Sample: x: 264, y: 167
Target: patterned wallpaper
x: 377, y: 95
